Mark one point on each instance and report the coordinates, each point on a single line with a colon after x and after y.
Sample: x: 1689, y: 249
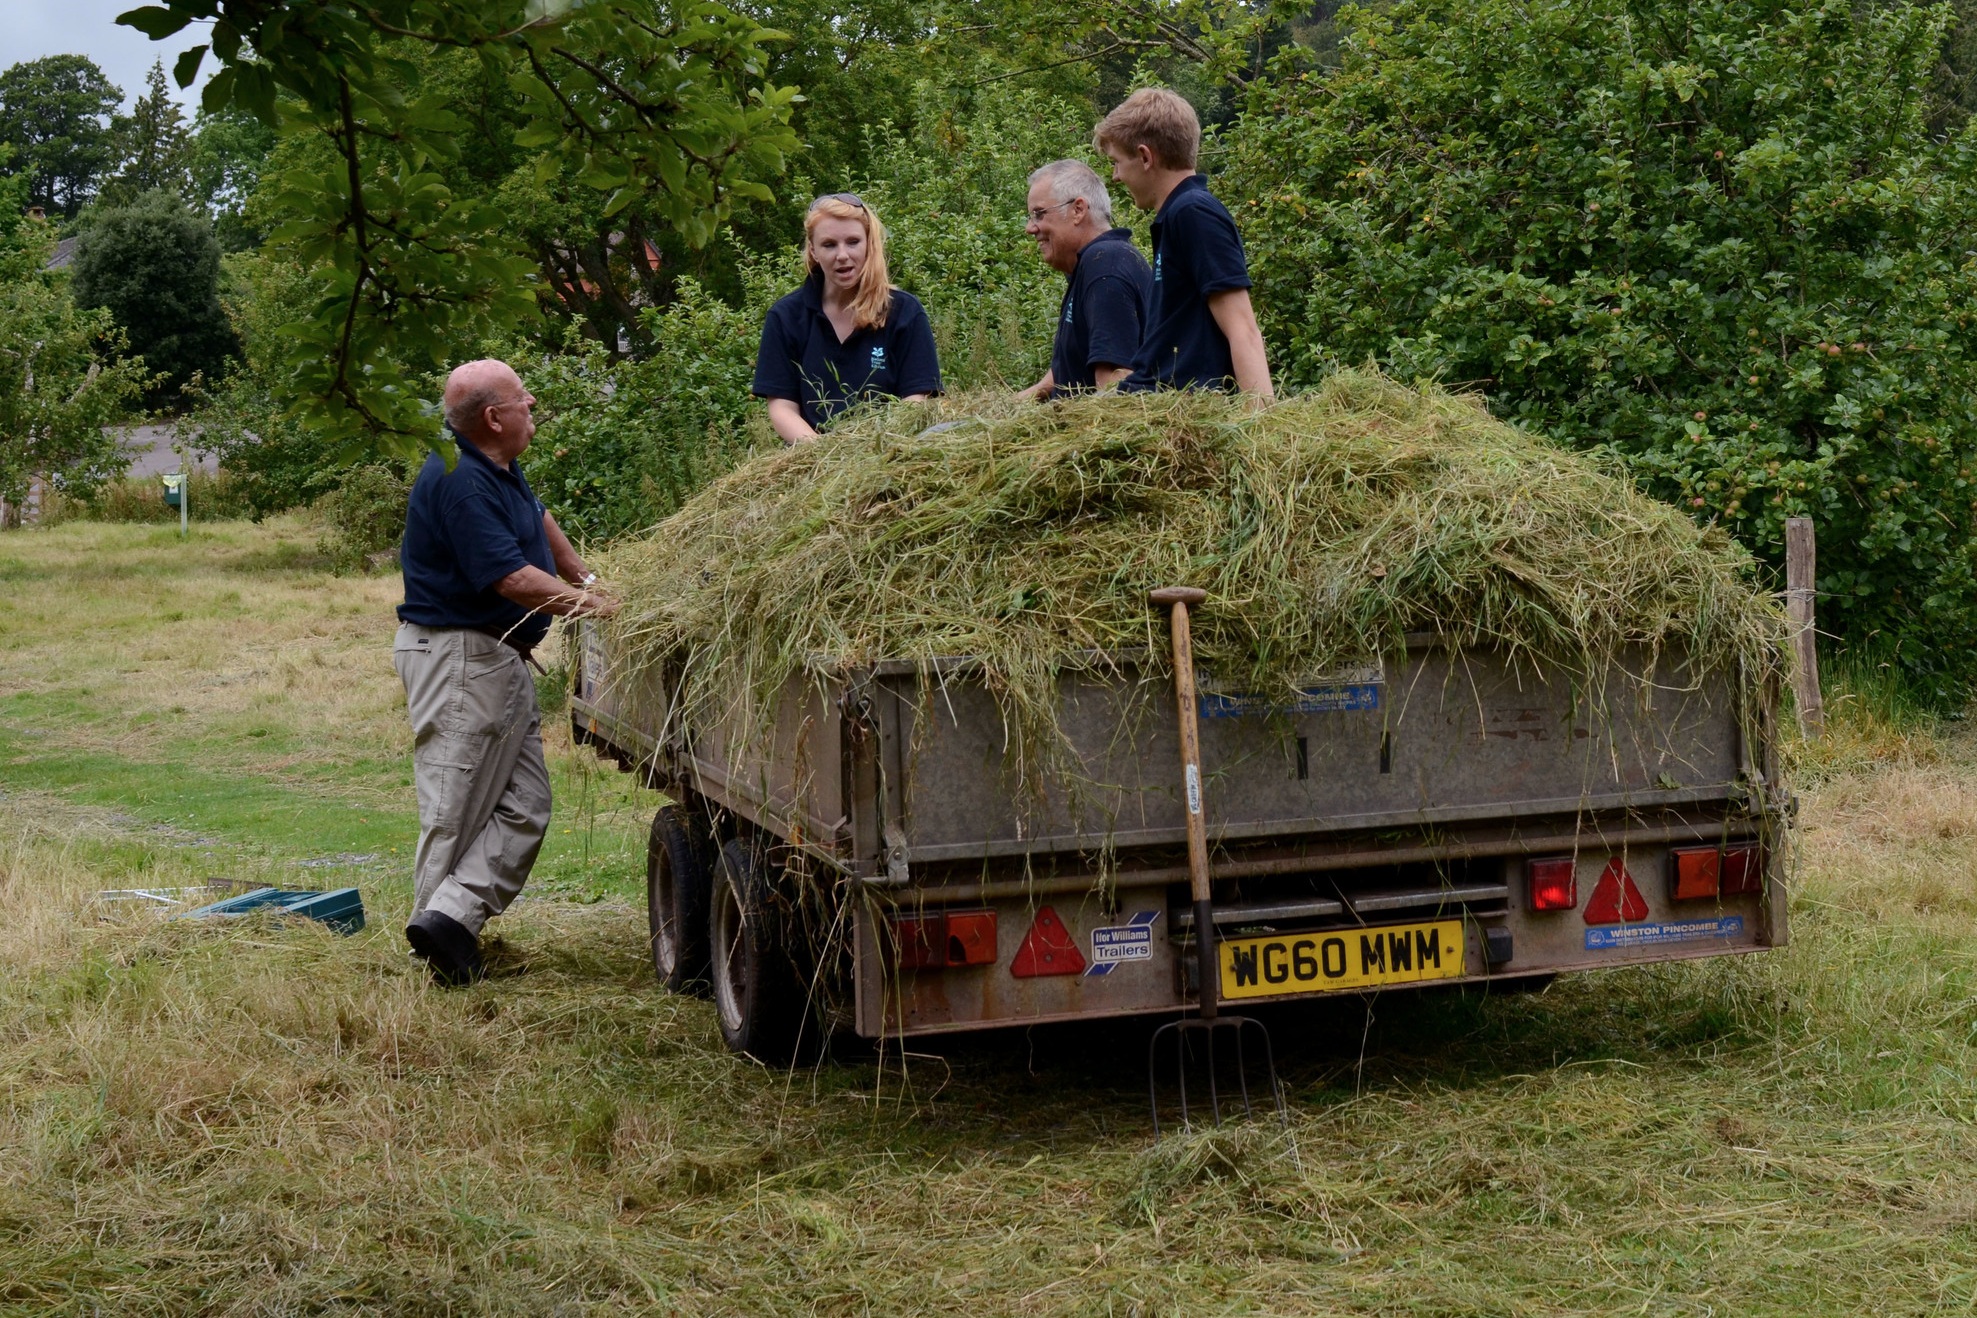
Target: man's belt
x: 506, y: 635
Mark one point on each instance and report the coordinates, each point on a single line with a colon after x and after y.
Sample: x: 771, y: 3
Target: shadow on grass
x: 1047, y: 1080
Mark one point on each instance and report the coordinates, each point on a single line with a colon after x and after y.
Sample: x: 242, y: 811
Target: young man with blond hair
x: 1201, y: 329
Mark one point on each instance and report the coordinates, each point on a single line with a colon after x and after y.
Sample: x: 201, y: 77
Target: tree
x: 664, y: 103
x: 61, y: 380
x: 55, y: 113
x: 225, y: 157
x: 151, y: 146
x: 1710, y: 237
x: 155, y: 267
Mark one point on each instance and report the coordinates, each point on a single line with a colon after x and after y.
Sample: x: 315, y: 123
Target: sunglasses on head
x: 848, y: 198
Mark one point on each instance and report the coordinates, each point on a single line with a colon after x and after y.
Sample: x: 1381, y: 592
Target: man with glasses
x: 1107, y: 282
x: 481, y: 558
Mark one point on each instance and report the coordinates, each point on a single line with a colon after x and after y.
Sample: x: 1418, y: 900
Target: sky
x: 30, y: 29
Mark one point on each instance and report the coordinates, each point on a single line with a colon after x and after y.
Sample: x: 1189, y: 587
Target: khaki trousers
x: 477, y: 760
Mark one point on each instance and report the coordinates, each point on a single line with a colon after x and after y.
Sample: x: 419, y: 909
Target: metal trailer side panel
x: 1453, y: 737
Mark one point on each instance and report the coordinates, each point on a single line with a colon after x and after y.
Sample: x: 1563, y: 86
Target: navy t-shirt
x: 1103, y: 315
x: 801, y: 358
x: 1196, y: 252
x: 466, y: 529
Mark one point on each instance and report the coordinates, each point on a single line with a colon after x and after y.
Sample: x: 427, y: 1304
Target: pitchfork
x: 1204, y: 1027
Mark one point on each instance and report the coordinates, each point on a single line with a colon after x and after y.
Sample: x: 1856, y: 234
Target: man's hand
x: 538, y: 592
x: 1041, y: 390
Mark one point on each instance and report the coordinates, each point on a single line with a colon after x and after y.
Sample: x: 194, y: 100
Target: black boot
x: 449, y: 951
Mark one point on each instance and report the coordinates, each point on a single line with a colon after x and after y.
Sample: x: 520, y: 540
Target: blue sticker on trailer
x: 1617, y: 937
x: 1120, y: 943
x: 1349, y: 697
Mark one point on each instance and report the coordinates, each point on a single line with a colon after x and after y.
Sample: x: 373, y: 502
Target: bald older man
x: 485, y: 567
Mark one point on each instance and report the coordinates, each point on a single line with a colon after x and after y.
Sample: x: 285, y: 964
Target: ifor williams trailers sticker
x: 1117, y: 944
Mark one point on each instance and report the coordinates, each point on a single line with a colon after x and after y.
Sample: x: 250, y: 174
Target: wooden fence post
x: 1801, y: 579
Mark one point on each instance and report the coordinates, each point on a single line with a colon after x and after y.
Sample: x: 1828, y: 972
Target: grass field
x: 268, y: 1119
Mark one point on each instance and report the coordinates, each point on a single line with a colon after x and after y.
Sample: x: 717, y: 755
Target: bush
x: 214, y: 496
x: 1712, y: 238
x: 620, y: 446
x: 364, y: 515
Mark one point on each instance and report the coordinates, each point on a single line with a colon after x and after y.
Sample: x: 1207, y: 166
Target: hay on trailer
x: 1324, y: 528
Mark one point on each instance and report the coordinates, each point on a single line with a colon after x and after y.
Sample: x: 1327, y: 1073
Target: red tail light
x: 1743, y: 869
x: 1703, y: 872
x: 935, y: 940
x: 1554, y: 883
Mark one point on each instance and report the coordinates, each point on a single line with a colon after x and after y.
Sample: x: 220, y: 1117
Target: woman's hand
x: 786, y: 419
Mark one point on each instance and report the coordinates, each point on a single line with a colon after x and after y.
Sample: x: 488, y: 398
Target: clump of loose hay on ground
x: 1324, y: 528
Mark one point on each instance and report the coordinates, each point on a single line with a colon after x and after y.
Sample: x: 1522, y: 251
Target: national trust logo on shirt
x: 1069, y: 304
x: 878, y: 359
x: 1156, y: 267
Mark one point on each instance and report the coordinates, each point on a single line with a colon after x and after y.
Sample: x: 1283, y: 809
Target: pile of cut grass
x: 1325, y: 528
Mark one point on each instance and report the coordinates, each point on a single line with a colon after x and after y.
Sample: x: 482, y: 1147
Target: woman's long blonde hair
x: 872, y: 299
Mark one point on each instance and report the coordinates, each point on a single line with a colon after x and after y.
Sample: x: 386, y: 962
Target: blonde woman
x: 847, y: 334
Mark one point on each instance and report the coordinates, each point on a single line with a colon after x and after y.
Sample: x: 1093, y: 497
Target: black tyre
x: 759, y: 992
x: 676, y: 887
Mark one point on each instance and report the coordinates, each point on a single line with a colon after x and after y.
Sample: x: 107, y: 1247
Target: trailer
x: 1451, y: 816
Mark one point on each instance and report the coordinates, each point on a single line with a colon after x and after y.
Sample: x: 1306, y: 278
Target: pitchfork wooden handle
x: 1178, y: 599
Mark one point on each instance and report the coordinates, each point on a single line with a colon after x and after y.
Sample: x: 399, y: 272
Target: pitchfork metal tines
x: 1199, y: 1034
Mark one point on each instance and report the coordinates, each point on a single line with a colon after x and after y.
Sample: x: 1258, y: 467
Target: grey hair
x: 465, y: 413
x: 1074, y: 180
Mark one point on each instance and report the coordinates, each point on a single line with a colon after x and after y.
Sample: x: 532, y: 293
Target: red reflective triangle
x: 1047, y: 949
x: 1615, y: 898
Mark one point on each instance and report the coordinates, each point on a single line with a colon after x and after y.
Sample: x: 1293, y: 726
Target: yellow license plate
x: 1340, y: 959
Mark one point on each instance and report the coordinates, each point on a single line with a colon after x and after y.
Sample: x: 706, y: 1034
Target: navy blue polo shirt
x: 466, y: 529
x: 1103, y: 315
x: 801, y: 358
x: 1196, y: 252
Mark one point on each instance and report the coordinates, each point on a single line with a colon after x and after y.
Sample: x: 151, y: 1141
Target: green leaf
x: 187, y: 66
x: 153, y: 21
x: 218, y: 92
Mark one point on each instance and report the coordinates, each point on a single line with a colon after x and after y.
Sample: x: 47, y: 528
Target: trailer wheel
x: 676, y: 887
x: 759, y: 995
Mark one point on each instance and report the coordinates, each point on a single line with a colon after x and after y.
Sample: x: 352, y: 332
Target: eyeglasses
x: 1037, y: 214
x: 848, y: 198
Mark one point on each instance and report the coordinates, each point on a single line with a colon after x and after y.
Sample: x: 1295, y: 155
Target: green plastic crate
x: 342, y: 909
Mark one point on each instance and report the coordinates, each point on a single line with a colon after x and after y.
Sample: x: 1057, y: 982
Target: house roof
x: 63, y: 256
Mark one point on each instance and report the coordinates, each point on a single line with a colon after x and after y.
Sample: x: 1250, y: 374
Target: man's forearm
x: 1252, y: 367
x: 1236, y: 318
x: 1107, y: 376
x: 569, y: 564
x: 538, y: 592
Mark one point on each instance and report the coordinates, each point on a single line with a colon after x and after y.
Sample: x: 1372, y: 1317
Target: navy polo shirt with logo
x: 1196, y: 252
x: 466, y: 529
x: 802, y: 359
x: 1103, y: 315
